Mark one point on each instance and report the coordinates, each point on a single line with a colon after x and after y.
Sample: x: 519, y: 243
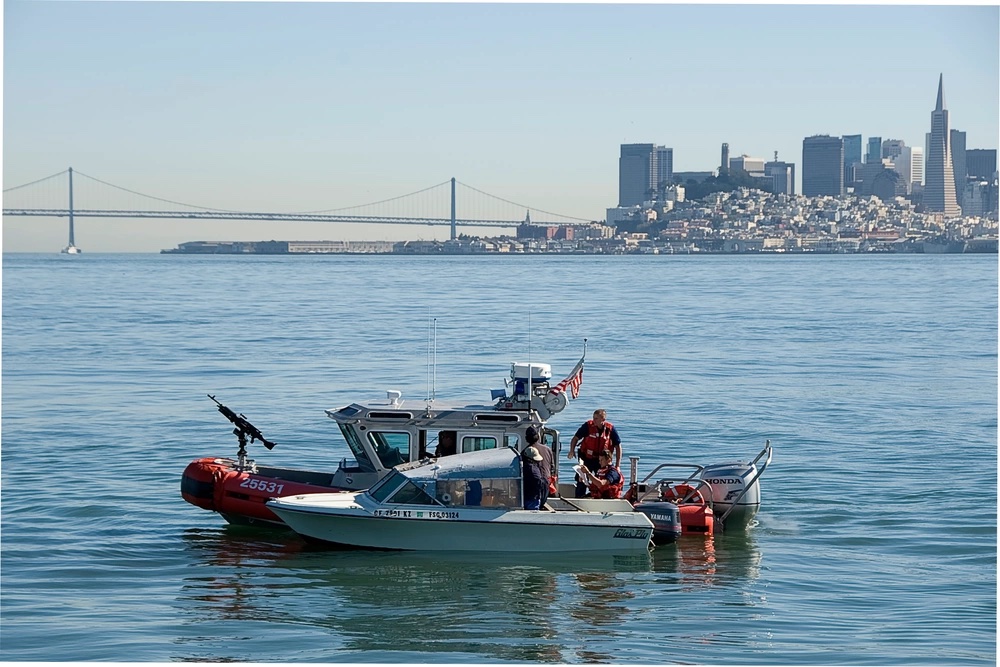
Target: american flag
x: 573, y: 381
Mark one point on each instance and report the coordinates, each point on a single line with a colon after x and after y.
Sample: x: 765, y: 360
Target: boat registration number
x: 416, y: 514
x: 261, y: 485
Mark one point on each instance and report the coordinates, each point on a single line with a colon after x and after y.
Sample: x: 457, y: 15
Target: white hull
x: 71, y: 250
x: 352, y: 520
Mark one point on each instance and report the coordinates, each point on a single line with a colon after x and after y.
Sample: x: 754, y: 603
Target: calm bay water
x: 875, y: 377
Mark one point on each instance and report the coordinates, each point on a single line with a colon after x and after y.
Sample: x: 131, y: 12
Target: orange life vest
x: 598, y: 440
x: 609, y: 490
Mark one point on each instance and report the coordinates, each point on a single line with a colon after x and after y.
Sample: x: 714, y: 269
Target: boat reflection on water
x: 403, y: 606
x: 714, y: 560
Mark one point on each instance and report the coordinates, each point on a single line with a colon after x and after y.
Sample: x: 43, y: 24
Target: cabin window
x: 502, y: 493
x: 475, y: 443
x: 411, y: 494
x: 447, y: 443
x: 479, y: 492
x: 357, y: 449
x: 511, y: 441
x: 392, y: 448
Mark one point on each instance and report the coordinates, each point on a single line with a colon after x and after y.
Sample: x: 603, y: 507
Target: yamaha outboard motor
x: 666, y: 518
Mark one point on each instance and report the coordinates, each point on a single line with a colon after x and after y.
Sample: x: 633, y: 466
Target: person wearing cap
x: 531, y: 438
x: 535, y: 485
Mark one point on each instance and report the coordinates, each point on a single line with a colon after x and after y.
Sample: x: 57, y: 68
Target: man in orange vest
x: 607, y: 481
x: 595, y: 436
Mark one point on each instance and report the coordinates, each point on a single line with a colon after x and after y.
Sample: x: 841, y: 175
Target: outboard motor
x: 666, y: 518
x: 735, y: 492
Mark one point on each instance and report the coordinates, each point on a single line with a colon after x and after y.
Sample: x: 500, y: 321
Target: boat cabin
x: 483, y: 479
x: 391, y: 432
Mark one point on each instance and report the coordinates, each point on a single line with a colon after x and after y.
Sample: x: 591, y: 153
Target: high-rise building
x: 724, y: 165
x: 981, y: 162
x: 917, y: 167
x: 901, y: 158
x: 958, y: 164
x: 874, y: 153
x: 892, y: 148
x: 641, y: 170
x: 939, y: 177
x: 782, y: 175
x: 663, y: 166
x: 635, y: 177
x: 754, y: 166
x: 822, y: 165
x: 852, y: 156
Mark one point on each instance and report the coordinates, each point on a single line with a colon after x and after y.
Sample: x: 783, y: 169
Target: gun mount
x: 244, y: 430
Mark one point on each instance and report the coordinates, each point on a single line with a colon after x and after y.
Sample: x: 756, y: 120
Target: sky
x: 275, y: 106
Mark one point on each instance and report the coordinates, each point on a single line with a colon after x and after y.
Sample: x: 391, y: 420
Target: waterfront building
x: 939, y: 176
x: 641, y: 170
x: 874, y: 153
x: 958, y: 164
x: 981, y: 163
x: 822, y: 165
x: 852, y: 156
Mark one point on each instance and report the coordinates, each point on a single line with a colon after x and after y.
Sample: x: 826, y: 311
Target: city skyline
x: 284, y: 107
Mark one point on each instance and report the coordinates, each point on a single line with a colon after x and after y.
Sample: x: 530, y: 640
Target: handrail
x: 697, y: 471
x: 760, y: 471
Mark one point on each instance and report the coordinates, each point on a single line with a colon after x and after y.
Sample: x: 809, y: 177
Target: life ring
x: 676, y: 493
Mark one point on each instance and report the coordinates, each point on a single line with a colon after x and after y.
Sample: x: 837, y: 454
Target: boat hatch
x: 390, y: 415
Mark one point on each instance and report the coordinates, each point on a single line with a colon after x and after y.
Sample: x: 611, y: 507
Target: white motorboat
x: 467, y: 502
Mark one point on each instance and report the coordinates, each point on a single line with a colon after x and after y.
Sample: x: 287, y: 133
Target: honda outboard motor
x: 735, y: 492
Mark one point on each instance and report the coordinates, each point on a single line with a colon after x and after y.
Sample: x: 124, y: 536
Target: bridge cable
x: 169, y: 201
x: 384, y: 201
x: 17, y: 187
x: 570, y: 217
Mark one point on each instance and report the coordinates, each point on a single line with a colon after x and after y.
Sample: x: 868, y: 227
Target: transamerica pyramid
x: 939, y: 175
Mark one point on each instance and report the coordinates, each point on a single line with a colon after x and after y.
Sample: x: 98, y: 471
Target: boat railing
x: 697, y: 471
x: 696, y: 485
x: 767, y: 451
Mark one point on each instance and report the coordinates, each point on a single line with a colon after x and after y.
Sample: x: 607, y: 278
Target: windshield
x: 382, y: 488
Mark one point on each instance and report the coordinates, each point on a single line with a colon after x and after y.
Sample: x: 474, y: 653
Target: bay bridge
x: 437, y: 205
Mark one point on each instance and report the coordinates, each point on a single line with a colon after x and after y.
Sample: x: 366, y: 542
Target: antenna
x: 431, y: 360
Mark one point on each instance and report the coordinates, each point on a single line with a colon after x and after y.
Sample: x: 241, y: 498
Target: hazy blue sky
x: 310, y: 106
